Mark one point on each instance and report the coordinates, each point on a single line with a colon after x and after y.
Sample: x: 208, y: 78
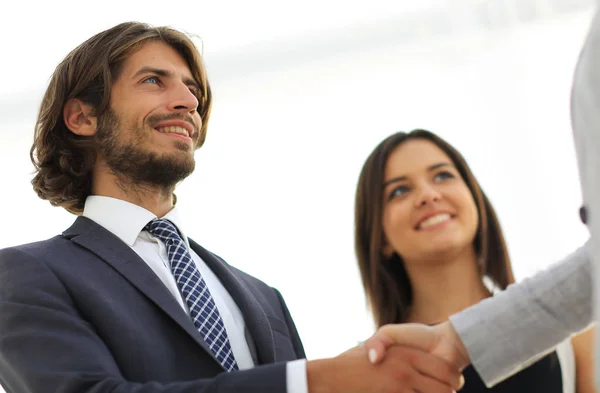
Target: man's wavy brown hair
x: 63, y: 160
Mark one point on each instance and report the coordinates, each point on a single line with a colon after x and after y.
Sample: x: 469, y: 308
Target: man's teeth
x: 174, y: 129
x: 438, y: 218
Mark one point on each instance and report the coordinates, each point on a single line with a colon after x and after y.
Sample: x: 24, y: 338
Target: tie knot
x: 163, y: 229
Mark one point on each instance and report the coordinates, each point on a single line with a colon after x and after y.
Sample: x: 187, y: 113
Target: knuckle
x: 405, y: 376
x: 412, y: 356
x: 444, y: 373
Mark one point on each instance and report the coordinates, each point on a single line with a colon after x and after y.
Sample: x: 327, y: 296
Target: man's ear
x: 79, y: 117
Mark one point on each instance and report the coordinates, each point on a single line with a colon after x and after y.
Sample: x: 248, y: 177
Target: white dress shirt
x: 127, y: 221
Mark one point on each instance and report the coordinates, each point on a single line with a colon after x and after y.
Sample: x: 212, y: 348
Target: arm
x: 330, y: 375
x: 47, y: 346
x: 583, y: 347
x: 585, y: 118
x: 528, y: 319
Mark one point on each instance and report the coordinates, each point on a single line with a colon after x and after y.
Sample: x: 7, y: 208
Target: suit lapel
x: 254, y: 316
x: 123, y: 259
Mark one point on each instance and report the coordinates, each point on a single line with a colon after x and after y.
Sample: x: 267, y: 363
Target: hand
x: 440, y: 340
x: 403, y: 370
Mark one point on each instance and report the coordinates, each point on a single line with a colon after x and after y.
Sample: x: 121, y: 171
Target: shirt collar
x: 175, y: 218
x: 124, y: 219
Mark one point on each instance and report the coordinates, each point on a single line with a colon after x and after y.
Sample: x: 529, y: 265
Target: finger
x: 434, y: 367
x: 375, y: 350
x: 424, y: 384
x: 412, y: 335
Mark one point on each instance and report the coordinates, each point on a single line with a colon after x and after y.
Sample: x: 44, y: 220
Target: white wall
x: 274, y: 186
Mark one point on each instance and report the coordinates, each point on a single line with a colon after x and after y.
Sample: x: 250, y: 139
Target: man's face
x: 152, y: 127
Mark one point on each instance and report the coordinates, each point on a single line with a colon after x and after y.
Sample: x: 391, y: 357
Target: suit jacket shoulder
x: 82, y: 312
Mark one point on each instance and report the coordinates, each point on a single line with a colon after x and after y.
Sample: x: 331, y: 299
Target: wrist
x: 317, y: 377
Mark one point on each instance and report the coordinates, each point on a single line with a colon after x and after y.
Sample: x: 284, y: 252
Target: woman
x: 429, y: 244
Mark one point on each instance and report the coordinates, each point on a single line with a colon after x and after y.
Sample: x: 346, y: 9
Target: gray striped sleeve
x: 509, y: 331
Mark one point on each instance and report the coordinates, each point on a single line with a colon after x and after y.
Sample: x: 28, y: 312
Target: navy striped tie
x: 203, y: 310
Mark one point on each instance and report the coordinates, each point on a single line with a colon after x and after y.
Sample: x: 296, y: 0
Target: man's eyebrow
x: 151, y: 70
x: 164, y: 73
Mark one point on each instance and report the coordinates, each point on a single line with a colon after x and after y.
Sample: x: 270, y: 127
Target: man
x: 504, y: 334
x: 123, y: 300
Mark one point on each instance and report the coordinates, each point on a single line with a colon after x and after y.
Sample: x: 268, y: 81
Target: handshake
x: 397, y: 358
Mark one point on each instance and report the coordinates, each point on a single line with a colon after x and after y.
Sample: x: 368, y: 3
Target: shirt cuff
x: 296, y: 376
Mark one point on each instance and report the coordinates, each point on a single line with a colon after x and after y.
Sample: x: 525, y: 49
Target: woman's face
x: 428, y: 209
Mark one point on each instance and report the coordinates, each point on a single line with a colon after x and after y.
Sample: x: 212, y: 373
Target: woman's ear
x: 387, y: 249
x: 79, y: 117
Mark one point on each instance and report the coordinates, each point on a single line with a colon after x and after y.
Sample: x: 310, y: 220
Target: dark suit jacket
x: 82, y: 312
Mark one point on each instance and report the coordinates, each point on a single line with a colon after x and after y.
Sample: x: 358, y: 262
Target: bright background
x: 303, y: 92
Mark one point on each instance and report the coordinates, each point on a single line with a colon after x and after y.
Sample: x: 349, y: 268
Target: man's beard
x: 134, y: 165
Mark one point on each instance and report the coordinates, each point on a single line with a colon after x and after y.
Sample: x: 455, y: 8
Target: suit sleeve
x: 47, y: 346
x: 508, y: 332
